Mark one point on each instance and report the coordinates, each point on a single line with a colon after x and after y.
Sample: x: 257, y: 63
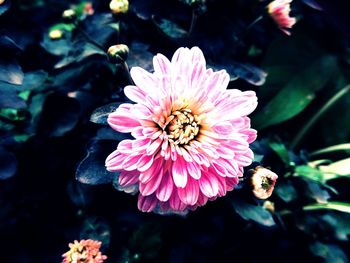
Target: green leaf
x: 337, y: 206
x: 253, y: 212
x: 328, y: 252
x: 281, y: 150
x: 169, y: 28
x: 339, y: 147
x: 296, y: 94
x: 62, y: 26
x: 309, y: 173
x: 336, y: 169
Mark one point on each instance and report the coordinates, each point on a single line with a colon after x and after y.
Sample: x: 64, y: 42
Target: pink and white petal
x: 165, y: 188
x: 128, y: 178
x: 154, y: 169
x: 175, y: 203
x: 161, y: 65
x: 135, y: 94
x: 131, y: 161
x: 193, y: 169
x: 145, y: 162
x: 122, y: 122
x: 189, y: 194
x: 209, y: 184
x: 146, y: 203
x: 246, y: 158
x: 114, y: 161
x: 146, y: 81
x: 152, y: 185
x: 179, y: 172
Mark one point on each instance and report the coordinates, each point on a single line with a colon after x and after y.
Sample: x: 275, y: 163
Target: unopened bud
x: 2, y: 1
x: 88, y: 9
x: 269, y: 206
x: 119, y: 6
x: 263, y: 182
x: 56, y: 34
x: 118, y: 53
x: 69, y: 15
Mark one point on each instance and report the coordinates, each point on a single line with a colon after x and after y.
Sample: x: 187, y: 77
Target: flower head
x: 84, y: 251
x: 88, y: 9
x: 279, y: 11
x: 119, y: 6
x: 191, y: 135
x: 263, y: 182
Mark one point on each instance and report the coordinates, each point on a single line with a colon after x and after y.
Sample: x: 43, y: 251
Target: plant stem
x: 126, y: 69
x: 193, y: 21
x: 318, y: 115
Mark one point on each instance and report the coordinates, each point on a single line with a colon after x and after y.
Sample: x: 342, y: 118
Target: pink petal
x: 179, y: 172
x: 209, y: 185
x: 122, y: 122
x: 128, y: 178
x: 145, y: 162
x: 189, y: 194
x: 161, y: 65
x: 175, y: 203
x: 146, y: 203
x: 135, y: 94
x: 165, y: 188
x: 151, y: 186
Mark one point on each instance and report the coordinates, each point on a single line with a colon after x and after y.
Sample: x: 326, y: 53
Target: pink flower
x: 191, y: 134
x: 279, y: 11
x: 84, y: 251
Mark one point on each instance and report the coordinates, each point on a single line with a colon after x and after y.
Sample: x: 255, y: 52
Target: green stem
x: 193, y: 22
x: 126, y: 69
x: 298, y: 138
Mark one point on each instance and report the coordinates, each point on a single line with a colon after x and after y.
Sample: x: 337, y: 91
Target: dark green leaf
x: 139, y: 56
x: 11, y: 72
x: 249, y: 73
x: 328, y: 252
x: 281, y: 150
x: 297, y: 94
x: 100, y: 115
x: 253, y: 212
x: 169, y: 28
x: 91, y: 169
x: 5, y: 6
x: 8, y: 164
x: 286, y: 191
x: 337, y: 206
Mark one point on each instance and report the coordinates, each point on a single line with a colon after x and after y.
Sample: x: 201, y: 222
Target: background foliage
x: 55, y: 94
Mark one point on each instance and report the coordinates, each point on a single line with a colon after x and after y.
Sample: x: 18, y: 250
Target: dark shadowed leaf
x: 169, y: 28
x: 286, y: 191
x: 329, y: 253
x: 96, y: 229
x: 281, y: 150
x: 8, y: 45
x: 338, y: 147
x: 313, y: 4
x: 5, y: 6
x: 11, y: 71
x: 8, y: 164
x: 80, y: 53
x: 249, y: 73
x: 139, y: 56
x: 34, y: 80
x: 297, y: 94
x: 9, y: 97
x: 107, y: 133
x: 57, y: 47
x: 100, y: 115
x: 91, y: 169
x: 253, y: 212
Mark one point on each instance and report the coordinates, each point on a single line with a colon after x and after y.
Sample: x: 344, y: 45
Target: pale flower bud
x: 69, y: 14
x: 263, y: 182
x: 118, y: 53
x: 119, y: 6
x: 56, y: 34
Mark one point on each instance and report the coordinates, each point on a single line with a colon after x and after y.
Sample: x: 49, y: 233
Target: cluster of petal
x: 191, y: 135
x: 263, y: 182
x: 84, y: 251
x: 279, y: 11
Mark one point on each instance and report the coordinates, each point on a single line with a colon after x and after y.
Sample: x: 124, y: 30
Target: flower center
x: 183, y: 127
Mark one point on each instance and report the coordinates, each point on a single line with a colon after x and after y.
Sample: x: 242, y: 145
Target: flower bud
x: 119, y: 6
x: 279, y: 11
x: 263, y: 182
x: 69, y: 15
x: 88, y: 9
x: 269, y: 206
x: 56, y: 34
x: 2, y: 1
x: 118, y: 53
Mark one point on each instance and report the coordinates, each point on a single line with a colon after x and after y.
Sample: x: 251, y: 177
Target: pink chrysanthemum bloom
x: 84, y: 251
x: 279, y: 11
x: 191, y: 134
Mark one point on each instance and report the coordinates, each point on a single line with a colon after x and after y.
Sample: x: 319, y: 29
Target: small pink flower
x: 88, y: 9
x: 263, y: 182
x: 279, y: 11
x: 84, y: 251
x: 191, y: 135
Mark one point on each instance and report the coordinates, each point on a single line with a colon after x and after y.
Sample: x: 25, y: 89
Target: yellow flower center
x: 183, y: 126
